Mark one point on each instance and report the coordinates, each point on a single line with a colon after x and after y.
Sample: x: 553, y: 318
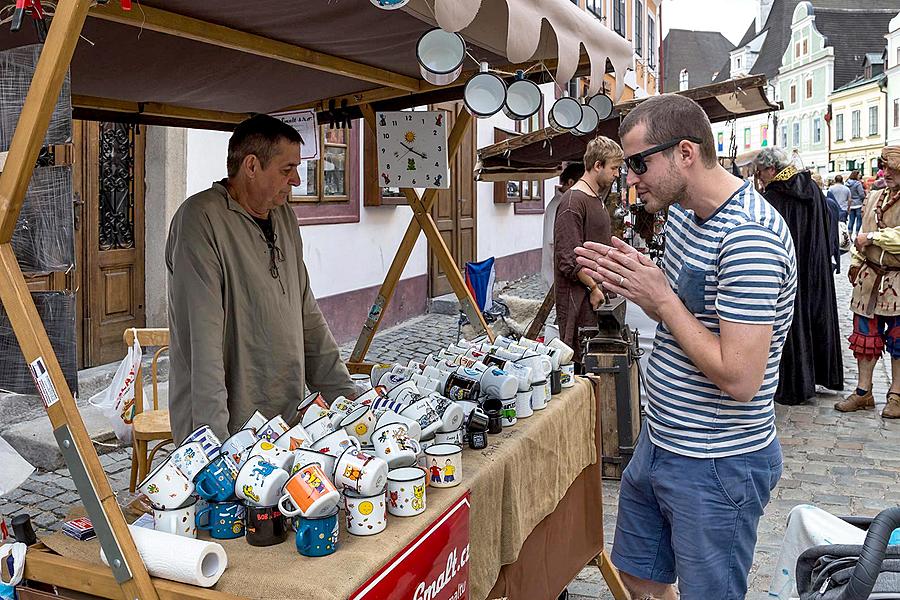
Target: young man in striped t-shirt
x: 708, y: 458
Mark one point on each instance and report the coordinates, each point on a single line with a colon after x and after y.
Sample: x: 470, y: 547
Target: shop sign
x: 304, y: 121
x: 434, y: 566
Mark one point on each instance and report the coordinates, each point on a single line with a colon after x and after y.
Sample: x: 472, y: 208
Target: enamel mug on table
x: 217, y: 480
x: 237, y: 445
x: 204, y: 434
x: 366, y: 515
x: 389, y: 417
x: 281, y: 458
x: 360, y: 472
x: 313, y: 401
x: 444, y: 465
x: 406, y: 492
x: 295, y: 437
x: 255, y: 422
x: 259, y: 482
x: 359, y: 423
x: 304, y: 456
x: 336, y: 442
x: 190, y: 458
x: 318, y: 536
x: 394, y: 445
x: 320, y: 427
x: 452, y: 414
x: 166, y: 487
x: 308, y: 492
x: 567, y: 376
x: 178, y: 521
x: 223, y: 520
x: 273, y: 429
x: 539, y: 395
x: 425, y: 414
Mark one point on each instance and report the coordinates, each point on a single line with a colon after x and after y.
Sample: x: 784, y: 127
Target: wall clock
x: 412, y: 149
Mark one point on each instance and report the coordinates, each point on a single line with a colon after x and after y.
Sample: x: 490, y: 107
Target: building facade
x: 858, y: 125
x: 892, y: 76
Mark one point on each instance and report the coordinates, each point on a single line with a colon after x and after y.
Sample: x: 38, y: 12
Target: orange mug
x: 309, y: 492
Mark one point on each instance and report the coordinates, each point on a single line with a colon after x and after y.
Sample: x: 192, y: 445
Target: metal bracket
x: 91, y: 502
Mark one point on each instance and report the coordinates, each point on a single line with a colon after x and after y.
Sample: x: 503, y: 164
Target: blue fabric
x: 480, y: 280
x: 854, y: 223
x: 693, y: 520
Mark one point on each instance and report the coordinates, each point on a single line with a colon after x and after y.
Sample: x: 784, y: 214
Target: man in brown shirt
x: 582, y: 216
x: 246, y: 332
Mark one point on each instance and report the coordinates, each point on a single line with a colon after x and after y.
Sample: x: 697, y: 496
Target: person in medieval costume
x: 812, y: 352
x: 875, y: 275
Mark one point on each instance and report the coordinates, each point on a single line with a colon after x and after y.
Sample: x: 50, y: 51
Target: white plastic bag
x: 844, y: 241
x: 117, y: 401
x: 17, y: 550
x: 14, y: 469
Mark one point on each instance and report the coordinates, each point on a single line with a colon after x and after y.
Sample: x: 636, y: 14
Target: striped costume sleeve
x: 753, y: 269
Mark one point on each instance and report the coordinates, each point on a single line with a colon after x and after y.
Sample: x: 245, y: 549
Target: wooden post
x: 370, y: 327
x: 132, y: 576
x: 541, y: 317
x: 611, y: 576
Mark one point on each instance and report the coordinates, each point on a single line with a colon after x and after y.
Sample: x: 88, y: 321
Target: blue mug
x: 317, y: 536
x: 215, y: 482
x: 224, y: 520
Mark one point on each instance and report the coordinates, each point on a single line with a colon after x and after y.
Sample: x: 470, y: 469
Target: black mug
x: 495, y: 421
x: 266, y: 526
x: 555, y: 382
x: 478, y: 440
x: 477, y: 420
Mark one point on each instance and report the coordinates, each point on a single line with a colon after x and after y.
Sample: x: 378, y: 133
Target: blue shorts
x: 693, y: 519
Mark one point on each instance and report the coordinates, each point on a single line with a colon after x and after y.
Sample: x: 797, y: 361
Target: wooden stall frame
x: 129, y: 573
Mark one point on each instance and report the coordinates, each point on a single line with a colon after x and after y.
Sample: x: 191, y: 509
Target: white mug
x: 296, y: 437
x: 378, y: 371
x: 444, y: 465
x: 319, y: 428
x: 314, y: 413
x: 304, y: 456
x: 281, y: 458
x: 259, y: 482
x: 308, y: 492
x: 387, y: 404
x: 359, y: 423
x: 256, y: 421
x: 394, y: 445
x: 401, y: 389
x: 388, y: 417
x: 448, y: 437
x: 539, y: 395
x: 177, y: 521
x: 166, y: 487
x: 567, y: 377
x: 406, y: 492
x: 497, y: 383
x: 508, y: 412
x: 273, y: 429
x: 335, y: 442
x: 424, y: 412
x: 369, y: 397
x: 190, y: 459
x: 523, y: 404
x: 425, y: 384
x: 566, y: 353
x: 360, y: 472
x: 366, y: 515
x: 452, y: 414
x: 236, y: 446
x: 210, y: 442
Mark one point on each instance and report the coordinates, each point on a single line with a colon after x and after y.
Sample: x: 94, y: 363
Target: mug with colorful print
x: 366, y: 514
x: 406, y: 492
x: 308, y: 492
x: 360, y: 472
x: 318, y: 536
x: 444, y: 465
x: 224, y: 520
x: 259, y: 482
x: 166, y: 486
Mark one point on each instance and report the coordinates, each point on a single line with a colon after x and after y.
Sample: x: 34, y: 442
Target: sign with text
x: 434, y: 566
x: 306, y: 124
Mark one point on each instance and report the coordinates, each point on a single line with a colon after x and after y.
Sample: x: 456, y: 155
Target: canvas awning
x: 539, y: 155
x: 209, y: 64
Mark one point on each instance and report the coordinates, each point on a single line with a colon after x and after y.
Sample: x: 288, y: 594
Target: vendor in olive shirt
x: 582, y: 216
x: 246, y: 333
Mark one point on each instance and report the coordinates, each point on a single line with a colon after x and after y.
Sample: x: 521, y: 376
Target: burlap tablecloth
x: 516, y: 482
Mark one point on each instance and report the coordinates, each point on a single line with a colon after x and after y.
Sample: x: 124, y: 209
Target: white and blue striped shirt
x: 738, y: 265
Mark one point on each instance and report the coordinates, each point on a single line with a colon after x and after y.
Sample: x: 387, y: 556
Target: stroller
x: 853, y: 572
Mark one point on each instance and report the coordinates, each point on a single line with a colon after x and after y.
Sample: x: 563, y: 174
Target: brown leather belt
x: 880, y: 271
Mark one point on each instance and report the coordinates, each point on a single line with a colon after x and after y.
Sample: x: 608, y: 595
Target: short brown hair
x: 672, y: 117
x: 259, y: 135
x: 601, y: 149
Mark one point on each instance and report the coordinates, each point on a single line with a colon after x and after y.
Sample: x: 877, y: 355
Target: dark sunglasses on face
x: 638, y: 165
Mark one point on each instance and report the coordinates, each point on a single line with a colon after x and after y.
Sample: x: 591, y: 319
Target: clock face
x: 412, y: 149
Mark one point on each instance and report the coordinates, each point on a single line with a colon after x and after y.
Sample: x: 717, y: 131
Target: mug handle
x: 284, y: 511
x: 208, y: 525
x: 416, y: 445
x: 355, y: 442
x: 202, y: 490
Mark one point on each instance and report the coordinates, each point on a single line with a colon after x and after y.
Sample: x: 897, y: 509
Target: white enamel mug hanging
x: 523, y: 98
x: 602, y: 104
x: 485, y: 93
x: 565, y: 114
x: 589, y: 121
x: 440, y: 55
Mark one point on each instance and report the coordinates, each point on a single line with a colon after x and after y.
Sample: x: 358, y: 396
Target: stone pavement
x: 843, y: 463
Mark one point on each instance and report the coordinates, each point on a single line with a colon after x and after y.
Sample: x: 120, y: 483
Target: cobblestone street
x: 845, y: 464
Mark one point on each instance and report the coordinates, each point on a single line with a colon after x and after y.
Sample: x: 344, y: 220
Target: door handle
x: 77, y: 203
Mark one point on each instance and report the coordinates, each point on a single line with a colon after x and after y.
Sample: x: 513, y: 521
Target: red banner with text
x: 434, y: 566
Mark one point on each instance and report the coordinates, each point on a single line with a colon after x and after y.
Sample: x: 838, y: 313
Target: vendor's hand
x: 597, y: 297
x: 623, y: 270
x: 862, y: 240
x: 853, y: 273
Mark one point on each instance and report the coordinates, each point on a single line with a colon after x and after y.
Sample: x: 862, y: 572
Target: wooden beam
x: 541, y: 317
x: 170, y: 23
x: 379, y: 307
x: 156, y: 109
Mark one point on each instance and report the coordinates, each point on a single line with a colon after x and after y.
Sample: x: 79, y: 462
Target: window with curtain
x: 839, y: 128
x: 817, y: 130
x: 796, y: 134
x: 809, y: 88
x: 595, y: 7
x: 329, y: 187
x: 854, y: 124
x: 651, y: 41
x: 873, y: 120
x: 638, y: 27
x: 793, y: 94
x: 784, y: 136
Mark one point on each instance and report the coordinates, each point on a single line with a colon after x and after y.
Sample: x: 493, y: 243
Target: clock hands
x: 413, y: 151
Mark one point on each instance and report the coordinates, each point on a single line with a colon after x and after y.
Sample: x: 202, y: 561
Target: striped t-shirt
x: 737, y: 265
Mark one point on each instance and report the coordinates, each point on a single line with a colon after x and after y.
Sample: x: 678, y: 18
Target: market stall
x: 211, y: 65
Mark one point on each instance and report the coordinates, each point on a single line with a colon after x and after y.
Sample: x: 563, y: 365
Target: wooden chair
x: 152, y: 425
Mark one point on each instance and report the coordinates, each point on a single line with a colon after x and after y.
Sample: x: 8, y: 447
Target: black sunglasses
x: 638, y: 165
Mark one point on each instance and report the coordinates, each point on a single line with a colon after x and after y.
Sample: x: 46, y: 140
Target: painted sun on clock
x: 412, y: 149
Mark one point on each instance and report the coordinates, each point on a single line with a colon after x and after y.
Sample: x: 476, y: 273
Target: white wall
x: 893, y: 79
x: 341, y: 257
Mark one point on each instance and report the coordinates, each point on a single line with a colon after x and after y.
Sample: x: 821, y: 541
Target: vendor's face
x: 272, y: 184
x: 662, y: 184
x: 892, y: 178
x: 605, y: 175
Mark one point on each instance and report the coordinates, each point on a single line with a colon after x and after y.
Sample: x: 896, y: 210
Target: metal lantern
x: 390, y: 4
x: 485, y: 93
x: 523, y: 98
x: 589, y: 121
x: 440, y: 55
x: 565, y: 114
x: 602, y: 104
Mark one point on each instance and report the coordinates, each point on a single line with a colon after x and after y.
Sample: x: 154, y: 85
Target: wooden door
x: 111, y: 227
x: 455, y: 210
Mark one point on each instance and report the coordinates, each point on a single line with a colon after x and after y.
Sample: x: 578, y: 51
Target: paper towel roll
x: 182, y: 559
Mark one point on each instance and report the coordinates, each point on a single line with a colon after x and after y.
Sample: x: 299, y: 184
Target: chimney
x: 765, y: 6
